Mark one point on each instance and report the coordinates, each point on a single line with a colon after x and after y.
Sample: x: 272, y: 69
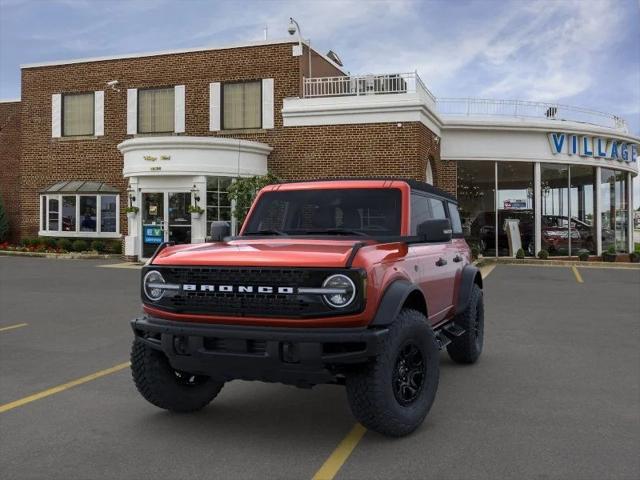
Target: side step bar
x: 448, y: 333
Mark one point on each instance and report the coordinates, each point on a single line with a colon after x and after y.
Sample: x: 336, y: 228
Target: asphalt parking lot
x: 555, y: 395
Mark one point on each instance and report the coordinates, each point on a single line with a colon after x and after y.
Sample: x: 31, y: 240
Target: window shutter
x: 98, y: 112
x: 214, y: 107
x: 56, y: 115
x: 178, y: 110
x: 132, y: 111
x: 267, y: 103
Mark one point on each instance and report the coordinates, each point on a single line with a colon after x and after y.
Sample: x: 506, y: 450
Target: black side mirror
x: 437, y: 230
x: 219, y: 230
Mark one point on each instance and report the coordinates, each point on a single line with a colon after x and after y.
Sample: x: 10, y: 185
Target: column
x: 537, y: 207
x: 598, y: 212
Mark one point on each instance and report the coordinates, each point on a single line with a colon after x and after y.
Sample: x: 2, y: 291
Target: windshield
x: 374, y: 212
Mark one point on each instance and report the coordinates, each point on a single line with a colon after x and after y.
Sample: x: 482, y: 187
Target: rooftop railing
x: 356, y: 85
x: 469, y: 107
x: 399, y: 83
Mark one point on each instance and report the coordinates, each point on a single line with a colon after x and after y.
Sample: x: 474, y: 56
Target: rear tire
x: 468, y: 347
x: 167, y: 388
x: 393, y: 394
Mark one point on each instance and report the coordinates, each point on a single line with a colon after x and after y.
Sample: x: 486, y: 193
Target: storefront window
x: 88, y: 214
x: 476, y: 197
x: 614, y: 210
x: 53, y: 213
x: 108, y: 213
x: 582, y: 202
x: 69, y: 213
x: 218, y: 203
x: 516, y: 222
x: 77, y: 215
x: 555, y: 208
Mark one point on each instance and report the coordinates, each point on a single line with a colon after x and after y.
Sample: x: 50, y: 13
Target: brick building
x: 165, y: 130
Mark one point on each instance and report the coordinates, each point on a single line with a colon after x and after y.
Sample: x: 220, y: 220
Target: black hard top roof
x: 414, y: 184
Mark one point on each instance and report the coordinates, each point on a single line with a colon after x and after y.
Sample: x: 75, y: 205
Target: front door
x: 164, y: 218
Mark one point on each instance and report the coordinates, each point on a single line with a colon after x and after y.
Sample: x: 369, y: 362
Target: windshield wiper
x: 266, y: 232
x: 335, y: 231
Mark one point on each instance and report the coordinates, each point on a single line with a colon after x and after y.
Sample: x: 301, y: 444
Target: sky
x: 577, y: 52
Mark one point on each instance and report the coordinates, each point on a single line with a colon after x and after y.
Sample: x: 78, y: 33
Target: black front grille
x: 251, y: 304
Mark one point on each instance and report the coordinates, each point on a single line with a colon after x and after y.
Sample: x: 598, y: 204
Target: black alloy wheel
x: 408, y: 374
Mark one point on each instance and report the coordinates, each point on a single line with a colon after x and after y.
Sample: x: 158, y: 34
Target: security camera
x: 292, y: 27
x: 112, y: 85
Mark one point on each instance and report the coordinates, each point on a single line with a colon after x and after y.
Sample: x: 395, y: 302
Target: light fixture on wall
x: 195, y: 192
x: 294, y: 28
x: 132, y: 197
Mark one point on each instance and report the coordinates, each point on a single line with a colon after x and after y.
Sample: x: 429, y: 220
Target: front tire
x: 393, y: 394
x: 468, y: 347
x: 166, y: 387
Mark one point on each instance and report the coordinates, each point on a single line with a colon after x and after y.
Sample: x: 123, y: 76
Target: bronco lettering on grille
x: 192, y: 287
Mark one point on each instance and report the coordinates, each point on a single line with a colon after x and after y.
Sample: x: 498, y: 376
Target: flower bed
x: 49, y: 245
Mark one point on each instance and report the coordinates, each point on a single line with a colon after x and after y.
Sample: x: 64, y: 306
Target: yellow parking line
x: 122, y: 265
x: 335, y: 461
x: 65, y: 386
x: 11, y: 327
x: 576, y: 273
x: 485, y: 270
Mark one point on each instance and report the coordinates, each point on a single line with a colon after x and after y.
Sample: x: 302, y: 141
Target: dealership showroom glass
x: 144, y: 147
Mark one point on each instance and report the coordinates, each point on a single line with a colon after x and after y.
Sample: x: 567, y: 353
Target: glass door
x: 179, y: 230
x: 153, y: 225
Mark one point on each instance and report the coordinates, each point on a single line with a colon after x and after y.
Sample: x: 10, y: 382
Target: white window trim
x: 179, y: 108
x: 45, y: 232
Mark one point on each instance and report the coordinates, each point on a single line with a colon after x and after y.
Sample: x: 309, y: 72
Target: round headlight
x: 152, y: 285
x: 345, y: 291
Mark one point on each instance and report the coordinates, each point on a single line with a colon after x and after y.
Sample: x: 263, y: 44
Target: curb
x: 63, y: 256
x: 564, y: 263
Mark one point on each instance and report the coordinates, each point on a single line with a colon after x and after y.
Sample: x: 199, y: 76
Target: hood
x: 271, y: 252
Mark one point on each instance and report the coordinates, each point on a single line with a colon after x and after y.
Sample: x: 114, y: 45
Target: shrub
x: 520, y: 253
x: 634, y: 257
x: 115, y: 247
x: 79, y: 245
x: 611, y: 250
x: 583, y: 255
x: 98, y: 245
x: 543, y: 254
x: 65, y: 244
x: 475, y: 252
x: 48, y: 242
x: 4, y: 223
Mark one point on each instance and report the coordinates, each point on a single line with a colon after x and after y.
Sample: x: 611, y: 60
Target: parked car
x: 356, y: 282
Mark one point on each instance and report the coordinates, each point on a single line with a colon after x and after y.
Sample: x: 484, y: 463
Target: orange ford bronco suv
x: 352, y: 282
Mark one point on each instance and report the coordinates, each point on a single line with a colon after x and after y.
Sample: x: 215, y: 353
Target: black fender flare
x: 392, y: 301
x: 470, y: 276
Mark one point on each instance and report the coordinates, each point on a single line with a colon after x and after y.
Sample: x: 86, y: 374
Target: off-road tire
x: 162, y: 386
x: 370, y: 388
x: 468, y: 347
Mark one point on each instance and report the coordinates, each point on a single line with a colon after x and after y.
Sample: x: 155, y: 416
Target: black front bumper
x: 297, y: 356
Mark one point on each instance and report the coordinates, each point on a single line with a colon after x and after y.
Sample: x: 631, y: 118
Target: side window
x: 454, y: 215
x: 420, y: 211
x: 437, y: 209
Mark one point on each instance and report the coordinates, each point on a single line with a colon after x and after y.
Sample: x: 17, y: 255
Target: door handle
x: 441, y: 262
x: 457, y: 258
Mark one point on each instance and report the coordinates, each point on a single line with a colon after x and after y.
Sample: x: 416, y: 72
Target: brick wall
x: 298, y: 152
x: 10, y: 163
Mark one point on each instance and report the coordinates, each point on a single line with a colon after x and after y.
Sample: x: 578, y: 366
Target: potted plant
x: 131, y: 212
x: 195, y: 211
x: 583, y: 255
x: 610, y: 255
x: 634, y: 257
